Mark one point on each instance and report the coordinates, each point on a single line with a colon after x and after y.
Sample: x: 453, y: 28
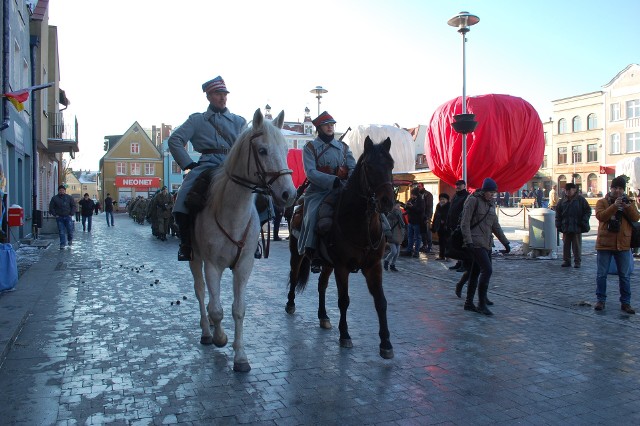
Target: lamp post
x: 464, y: 123
x: 319, y: 91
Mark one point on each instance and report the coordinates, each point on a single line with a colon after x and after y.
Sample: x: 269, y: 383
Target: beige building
x: 589, y: 133
x: 132, y: 166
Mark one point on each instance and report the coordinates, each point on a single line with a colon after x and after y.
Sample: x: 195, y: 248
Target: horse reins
x: 262, y: 187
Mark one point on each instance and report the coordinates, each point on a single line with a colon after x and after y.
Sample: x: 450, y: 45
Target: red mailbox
x: 16, y: 215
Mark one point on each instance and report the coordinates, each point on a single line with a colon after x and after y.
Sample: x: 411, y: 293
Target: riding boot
x: 471, y: 293
x: 184, y: 225
x: 482, y: 295
x: 461, y: 283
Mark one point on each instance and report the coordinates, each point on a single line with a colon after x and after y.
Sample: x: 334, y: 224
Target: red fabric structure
x: 294, y: 161
x: 507, y: 145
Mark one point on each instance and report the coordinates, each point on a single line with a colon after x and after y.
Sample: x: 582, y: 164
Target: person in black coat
x: 572, y: 219
x: 441, y: 224
x: 455, y: 210
x: 87, y: 206
x: 415, y: 213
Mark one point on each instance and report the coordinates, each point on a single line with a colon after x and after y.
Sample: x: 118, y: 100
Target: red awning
x: 607, y: 170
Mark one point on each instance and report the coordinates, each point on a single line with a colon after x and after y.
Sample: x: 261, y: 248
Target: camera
x: 625, y: 199
x: 613, y: 225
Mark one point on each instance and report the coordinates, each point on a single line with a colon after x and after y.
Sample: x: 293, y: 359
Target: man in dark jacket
x: 415, y: 213
x: 455, y: 210
x: 86, y: 209
x: 572, y: 219
x: 63, y: 207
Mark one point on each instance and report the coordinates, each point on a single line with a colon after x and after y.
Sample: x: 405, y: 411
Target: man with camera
x: 572, y: 219
x: 615, y: 213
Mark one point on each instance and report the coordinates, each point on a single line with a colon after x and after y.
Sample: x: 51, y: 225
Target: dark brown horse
x: 355, y: 242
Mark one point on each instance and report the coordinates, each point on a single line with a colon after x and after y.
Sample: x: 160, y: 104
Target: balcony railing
x: 62, y: 135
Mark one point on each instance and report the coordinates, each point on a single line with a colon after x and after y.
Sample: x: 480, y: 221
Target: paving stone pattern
x: 102, y: 343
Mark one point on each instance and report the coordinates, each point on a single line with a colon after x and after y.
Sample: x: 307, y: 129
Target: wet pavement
x: 90, y: 337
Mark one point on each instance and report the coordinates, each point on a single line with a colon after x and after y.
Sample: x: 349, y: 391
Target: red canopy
x: 294, y: 160
x: 507, y: 145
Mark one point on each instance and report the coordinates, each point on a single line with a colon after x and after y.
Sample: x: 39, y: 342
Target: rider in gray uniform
x: 211, y: 133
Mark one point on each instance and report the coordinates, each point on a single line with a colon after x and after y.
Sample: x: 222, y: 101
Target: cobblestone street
x: 90, y: 337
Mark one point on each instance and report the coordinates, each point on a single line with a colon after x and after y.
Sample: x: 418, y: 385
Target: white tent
x: 403, y: 149
x: 630, y: 167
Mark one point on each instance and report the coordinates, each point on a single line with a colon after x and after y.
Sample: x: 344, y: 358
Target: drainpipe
x: 5, y: 65
x: 36, y: 217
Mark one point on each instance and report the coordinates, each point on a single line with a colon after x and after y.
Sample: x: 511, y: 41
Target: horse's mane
x: 235, y: 163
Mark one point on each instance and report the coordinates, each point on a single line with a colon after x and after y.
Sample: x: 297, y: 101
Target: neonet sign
x: 137, y: 182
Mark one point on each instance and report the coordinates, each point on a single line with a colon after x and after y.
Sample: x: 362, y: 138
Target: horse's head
x: 375, y: 166
x: 269, y: 169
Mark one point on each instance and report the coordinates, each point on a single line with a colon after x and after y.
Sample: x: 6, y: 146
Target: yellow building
x: 132, y: 166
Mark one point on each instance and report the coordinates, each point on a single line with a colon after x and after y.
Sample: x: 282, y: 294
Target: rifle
x: 344, y: 134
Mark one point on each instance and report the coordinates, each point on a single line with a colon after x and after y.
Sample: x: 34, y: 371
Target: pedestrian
x: 615, y: 213
x: 211, y: 133
x: 62, y: 206
x: 108, y: 209
x: 572, y: 219
x: 87, y: 206
x: 553, y: 197
x: 164, y: 204
x: 398, y: 229
x: 440, y: 224
x: 415, y: 214
x: 539, y: 194
x: 425, y: 226
x: 97, y: 207
x: 479, y: 223
x: 277, y: 220
x: 328, y: 163
x: 507, y: 195
x: 455, y: 211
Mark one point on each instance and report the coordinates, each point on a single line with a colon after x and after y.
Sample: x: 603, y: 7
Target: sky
x: 382, y: 62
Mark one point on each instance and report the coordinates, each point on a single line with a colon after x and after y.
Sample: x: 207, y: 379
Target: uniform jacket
x: 87, y: 207
x: 163, y: 203
x: 199, y: 129
x: 477, y: 209
x: 572, y: 215
x: 617, y: 241
x: 317, y: 154
x: 63, y: 205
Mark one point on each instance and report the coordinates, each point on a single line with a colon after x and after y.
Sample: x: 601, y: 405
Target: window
x: 576, y: 154
x: 576, y: 124
x: 135, y: 169
x: 592, y: 121
x: 633, y: 109
x: 544, y: 162
x: 135, y: 148
x: 633, y: 142
x: 562, y: 155
x: 592, y: 184
x: 592, y: 152
x: 121, y: 168
x: 615, y: 143
x: 562, y: 181
x: 615, y: 112
x: 562, y: 126
x: 149, y: 169
x: 175, y: 168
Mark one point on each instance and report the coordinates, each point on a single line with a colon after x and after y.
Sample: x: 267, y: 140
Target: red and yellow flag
x: 17, y: 98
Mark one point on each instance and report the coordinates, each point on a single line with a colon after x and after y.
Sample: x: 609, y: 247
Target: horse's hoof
x: 221, y: 343
x: 206, y: 340
x: 346, y: 343
x: 386, y: 353
x: 291, y: 309
x: 325, y: 323
x: 241, y: 367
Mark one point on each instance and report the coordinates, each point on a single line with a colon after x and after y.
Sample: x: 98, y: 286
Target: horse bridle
x: 262, y: 187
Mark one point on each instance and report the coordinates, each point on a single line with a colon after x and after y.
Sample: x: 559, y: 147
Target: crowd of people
x: 156, y: 210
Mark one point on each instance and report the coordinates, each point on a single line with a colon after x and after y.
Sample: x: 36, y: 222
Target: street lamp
x: 319, y: 91
x: 464, y: 123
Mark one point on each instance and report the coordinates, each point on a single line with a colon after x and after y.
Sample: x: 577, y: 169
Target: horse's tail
x: 303, y: 274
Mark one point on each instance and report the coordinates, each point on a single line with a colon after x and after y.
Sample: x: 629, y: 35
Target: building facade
x: 132, y: 166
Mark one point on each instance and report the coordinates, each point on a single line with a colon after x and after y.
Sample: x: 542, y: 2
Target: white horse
x: 226, y: 231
